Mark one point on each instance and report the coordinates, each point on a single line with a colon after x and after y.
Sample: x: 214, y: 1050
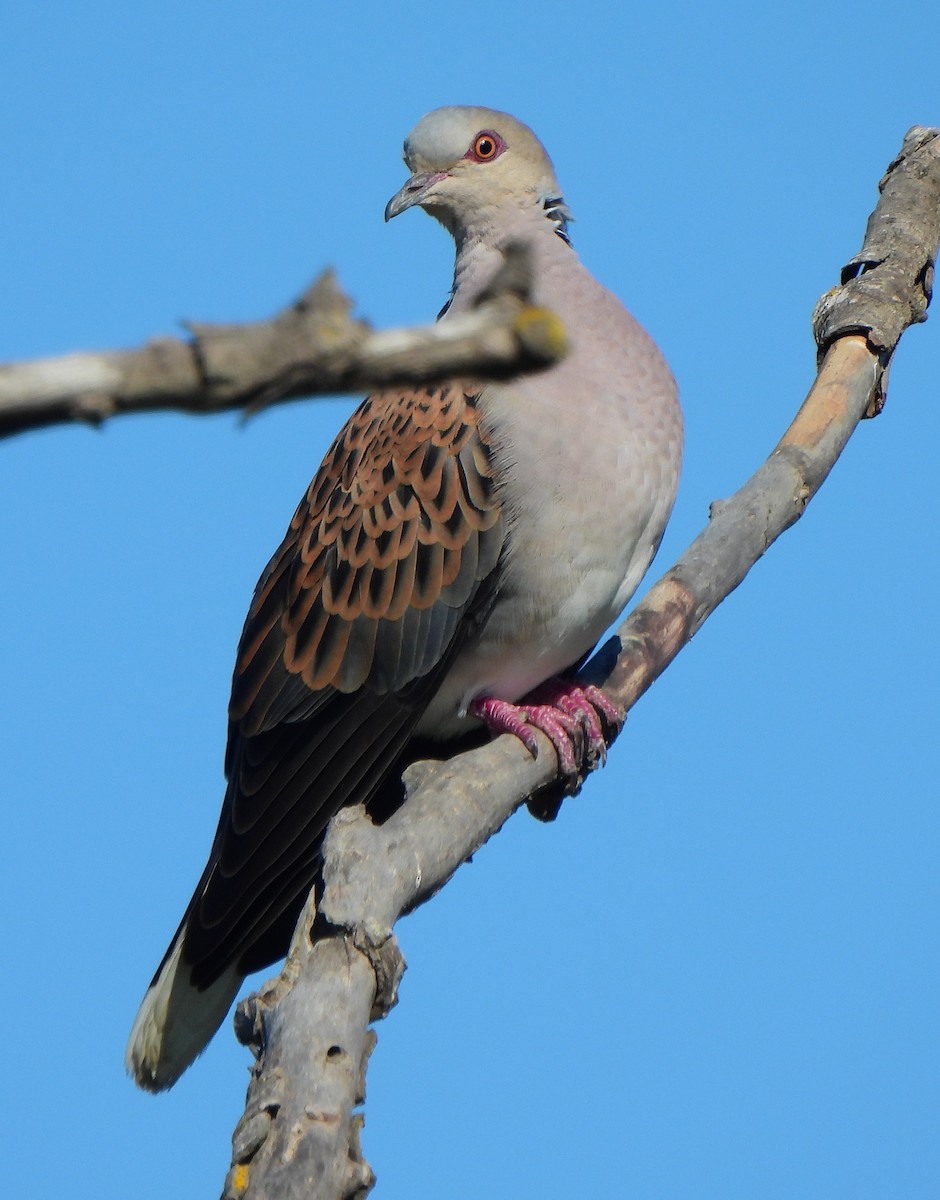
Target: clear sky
x: 716, y: 974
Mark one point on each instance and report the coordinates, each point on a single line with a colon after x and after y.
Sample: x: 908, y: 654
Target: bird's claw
x: 589, y: 707
x: 568, y: 714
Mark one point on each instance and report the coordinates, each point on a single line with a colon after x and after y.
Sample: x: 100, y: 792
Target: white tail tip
x: 175, y: 1023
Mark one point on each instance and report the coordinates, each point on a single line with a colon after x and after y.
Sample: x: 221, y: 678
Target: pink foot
x: 584, y: 705
x: 564, y: 711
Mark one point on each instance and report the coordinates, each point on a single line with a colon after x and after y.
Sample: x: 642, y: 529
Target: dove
x: 460, y: 549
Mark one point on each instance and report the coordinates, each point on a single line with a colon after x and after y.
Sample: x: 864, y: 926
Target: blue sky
x: 716, y: 974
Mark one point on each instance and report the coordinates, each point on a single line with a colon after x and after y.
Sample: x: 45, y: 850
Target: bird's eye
x: 486, y: 146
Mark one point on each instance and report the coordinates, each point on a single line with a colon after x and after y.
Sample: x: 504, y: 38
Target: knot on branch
x: 388, y: 965
x: 358, y: 1178
x: 887, y: 286
x: 249, y: 1024
x: 258, y: 362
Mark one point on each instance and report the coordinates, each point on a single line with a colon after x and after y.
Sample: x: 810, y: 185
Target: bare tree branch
x: 314, y: 347
x: 299, y: 1134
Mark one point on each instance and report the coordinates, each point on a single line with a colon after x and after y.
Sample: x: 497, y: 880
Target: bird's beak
x: 414, y: 192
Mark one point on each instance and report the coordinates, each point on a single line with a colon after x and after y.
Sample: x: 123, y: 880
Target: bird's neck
x: 479, y: 252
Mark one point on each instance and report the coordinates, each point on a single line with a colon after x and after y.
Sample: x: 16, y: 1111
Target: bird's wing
x: 391, y: 561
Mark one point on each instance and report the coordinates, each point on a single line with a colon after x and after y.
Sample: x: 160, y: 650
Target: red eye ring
x: 486, y: 146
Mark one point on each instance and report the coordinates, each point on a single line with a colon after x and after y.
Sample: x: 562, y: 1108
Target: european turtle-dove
x: 458, y: 547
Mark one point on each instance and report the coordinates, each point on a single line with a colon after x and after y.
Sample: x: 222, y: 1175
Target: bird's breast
x: 586, y: 458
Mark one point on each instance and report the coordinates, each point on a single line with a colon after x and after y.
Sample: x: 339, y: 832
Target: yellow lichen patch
x: 542, y: 332
x: 240, y: 1178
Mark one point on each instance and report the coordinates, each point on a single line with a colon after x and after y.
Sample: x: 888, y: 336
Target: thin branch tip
x: 312, y: 347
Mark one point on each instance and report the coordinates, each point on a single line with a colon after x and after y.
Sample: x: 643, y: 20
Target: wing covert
x: 401, y: 518
x: 390, y: 563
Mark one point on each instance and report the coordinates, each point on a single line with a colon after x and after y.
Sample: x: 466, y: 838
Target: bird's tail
x: 176, y: 1020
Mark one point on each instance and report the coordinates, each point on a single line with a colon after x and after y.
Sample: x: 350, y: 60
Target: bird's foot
x: 571, y: 717
x: 588, y: 707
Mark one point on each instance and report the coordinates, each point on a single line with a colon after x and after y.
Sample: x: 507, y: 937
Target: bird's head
x: 465, y: 161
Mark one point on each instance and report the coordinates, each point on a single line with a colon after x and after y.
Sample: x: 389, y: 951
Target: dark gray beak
x: 412, y: 193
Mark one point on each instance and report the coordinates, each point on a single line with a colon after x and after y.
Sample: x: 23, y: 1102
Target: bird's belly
x: 537, y: 630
